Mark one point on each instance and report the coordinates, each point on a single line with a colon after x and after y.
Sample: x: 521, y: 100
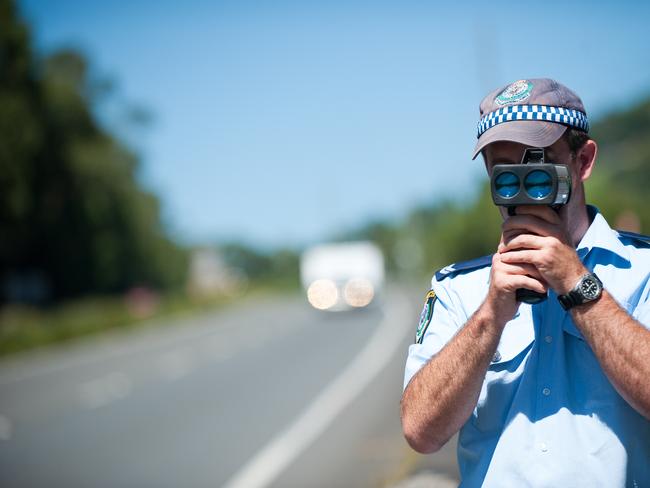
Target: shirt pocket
x: 517, y: 336
x: 570, y: 328
x: 590, y: 391
x: 503, y: 376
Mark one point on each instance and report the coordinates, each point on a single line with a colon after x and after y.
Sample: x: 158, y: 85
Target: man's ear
x: 586, y: 158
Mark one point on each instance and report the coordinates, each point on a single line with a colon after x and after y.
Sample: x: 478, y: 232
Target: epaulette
x: 640, y: 240
x: 472, y: 264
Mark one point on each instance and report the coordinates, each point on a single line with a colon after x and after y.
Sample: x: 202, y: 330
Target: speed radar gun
x: 534, y: 182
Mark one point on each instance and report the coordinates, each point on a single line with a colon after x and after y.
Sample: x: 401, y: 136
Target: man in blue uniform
x: 552, y: 394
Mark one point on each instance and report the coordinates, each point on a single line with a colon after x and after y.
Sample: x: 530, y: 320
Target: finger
x: 543, y: 212
x: 524, y: 241
x: 530, y: 224
x: 530, y: 284
x: 508, y: 235
x: 521, y: 269
x: 523, y: 256
x: 514, y: 282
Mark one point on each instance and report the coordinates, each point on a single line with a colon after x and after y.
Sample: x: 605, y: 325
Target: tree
x: 73, y: 217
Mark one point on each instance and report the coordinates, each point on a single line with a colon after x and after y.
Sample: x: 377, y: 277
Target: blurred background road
x: 196, y: 402
x: 182, y: 184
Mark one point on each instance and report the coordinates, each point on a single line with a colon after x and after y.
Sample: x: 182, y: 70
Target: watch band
x: 577, y: 296
x: 567, y: 301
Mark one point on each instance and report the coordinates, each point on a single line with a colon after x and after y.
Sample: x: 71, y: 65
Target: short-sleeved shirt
x: 547, y: 415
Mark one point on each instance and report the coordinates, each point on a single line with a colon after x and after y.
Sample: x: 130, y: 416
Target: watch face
x: 589, y: 288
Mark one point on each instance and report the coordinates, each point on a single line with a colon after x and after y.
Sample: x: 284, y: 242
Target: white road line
x: 85, y: 353
x: 429, y: 479
x: 104, y: 390
x: 273, y: 459
x: 123, y: 344
x: 176, y: 364
x: 107, y: 346
x: 6, y: 428
x: 216, y: 350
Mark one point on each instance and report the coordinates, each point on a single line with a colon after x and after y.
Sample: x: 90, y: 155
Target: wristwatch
x: 588, y: 289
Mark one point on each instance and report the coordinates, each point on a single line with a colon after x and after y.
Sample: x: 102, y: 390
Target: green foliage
x: 23, y: 327
x: 384, y: 234
x: 279, y: 268
x: 72, y: 212
x: 448, y: 232
x: 621, y: 179
x: 75, y: 220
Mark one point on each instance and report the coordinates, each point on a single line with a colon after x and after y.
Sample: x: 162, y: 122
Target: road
x: 265, y: 393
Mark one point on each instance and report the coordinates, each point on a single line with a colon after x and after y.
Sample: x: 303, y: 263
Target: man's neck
x: 579, y: 224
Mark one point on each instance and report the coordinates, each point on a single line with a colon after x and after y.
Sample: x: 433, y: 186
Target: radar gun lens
x: 507, y: 184
x: 538, y: 184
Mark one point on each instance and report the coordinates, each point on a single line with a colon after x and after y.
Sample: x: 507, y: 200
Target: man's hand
x: 505, y: 279
x: 537, y: 237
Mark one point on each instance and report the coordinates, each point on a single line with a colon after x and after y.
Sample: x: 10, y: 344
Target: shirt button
x: 543, y: 447
x: 546, y: 391
x: 497, y: 357
x: 548, y: 339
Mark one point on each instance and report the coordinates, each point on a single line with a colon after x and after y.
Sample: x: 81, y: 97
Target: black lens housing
x: 533, y: 182
x: 558, y: 181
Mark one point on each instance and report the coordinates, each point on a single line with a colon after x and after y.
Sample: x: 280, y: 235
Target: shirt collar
x: 600, y: 235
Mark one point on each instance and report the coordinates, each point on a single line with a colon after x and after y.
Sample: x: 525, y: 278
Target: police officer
x: 550, y: 394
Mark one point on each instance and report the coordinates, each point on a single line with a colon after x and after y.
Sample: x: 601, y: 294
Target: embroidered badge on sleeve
x: 425, y: 316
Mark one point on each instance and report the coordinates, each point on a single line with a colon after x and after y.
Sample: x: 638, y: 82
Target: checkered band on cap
x: 560, y: 115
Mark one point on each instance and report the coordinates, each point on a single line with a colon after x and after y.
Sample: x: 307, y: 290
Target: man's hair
x: 575, y: 138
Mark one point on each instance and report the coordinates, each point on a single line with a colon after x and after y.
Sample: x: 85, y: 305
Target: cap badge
x: 515, y: 92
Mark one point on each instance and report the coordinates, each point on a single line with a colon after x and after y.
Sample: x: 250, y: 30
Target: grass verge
x: 26, y: 327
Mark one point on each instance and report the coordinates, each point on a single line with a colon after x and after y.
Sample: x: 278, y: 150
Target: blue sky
x: 283, y: 123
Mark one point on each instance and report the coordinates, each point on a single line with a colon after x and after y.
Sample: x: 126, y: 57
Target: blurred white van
x: 342, y: 276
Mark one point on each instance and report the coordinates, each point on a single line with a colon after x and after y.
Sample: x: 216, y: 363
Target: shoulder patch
x: 464, y: 266
x: 425, y: 316
x: 640, y: 240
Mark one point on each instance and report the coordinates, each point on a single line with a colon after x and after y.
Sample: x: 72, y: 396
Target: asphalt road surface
x: 265, y: 393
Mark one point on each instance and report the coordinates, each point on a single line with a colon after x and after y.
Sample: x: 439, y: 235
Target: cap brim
x: 531, y: 133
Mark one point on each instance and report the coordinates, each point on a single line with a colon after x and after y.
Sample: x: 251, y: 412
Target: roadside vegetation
x: 83, y: 247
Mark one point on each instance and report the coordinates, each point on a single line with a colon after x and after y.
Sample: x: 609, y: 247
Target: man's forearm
x: 622, y: 347
x: 441, y: 396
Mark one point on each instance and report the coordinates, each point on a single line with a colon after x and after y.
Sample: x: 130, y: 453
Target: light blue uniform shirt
x: 547, y: 415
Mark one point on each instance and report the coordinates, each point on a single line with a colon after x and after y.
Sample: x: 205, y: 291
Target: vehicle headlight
x: 358, y: 292
x: 322, y: 294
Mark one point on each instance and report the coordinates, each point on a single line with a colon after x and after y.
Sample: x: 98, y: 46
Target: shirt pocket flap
x: 517, y: 336
x: 570, y: 328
